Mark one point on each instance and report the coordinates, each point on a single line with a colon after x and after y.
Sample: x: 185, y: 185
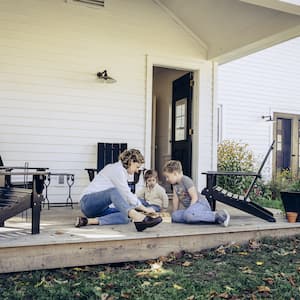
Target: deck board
x: 60, y: 244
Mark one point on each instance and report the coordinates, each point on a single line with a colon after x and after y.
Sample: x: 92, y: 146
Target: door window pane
x: 284, y: 143
x: 180, y: 119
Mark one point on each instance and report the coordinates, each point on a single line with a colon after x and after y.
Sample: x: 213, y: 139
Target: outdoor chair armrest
x: 235, y: 173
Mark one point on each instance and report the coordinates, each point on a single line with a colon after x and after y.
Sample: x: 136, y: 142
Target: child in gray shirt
x: 195, y: 207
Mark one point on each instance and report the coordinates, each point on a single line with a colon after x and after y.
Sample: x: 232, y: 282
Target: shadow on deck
x: 60, y: 244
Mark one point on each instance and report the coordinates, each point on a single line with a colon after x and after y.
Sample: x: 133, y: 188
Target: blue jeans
x: 147, y: 204
x: 195, y: 213
x: 96, y: 205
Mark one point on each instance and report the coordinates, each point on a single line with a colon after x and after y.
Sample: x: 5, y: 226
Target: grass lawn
x: 267, y: 269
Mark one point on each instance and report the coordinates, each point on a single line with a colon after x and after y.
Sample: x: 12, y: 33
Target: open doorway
x: 171, y: 118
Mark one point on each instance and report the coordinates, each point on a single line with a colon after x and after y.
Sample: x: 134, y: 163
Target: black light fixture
x: 267, y: 118
x: 105, y: 78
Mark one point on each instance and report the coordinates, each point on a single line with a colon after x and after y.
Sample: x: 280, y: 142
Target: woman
x: 110, y: 186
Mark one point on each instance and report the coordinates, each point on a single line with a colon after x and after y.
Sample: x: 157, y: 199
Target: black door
x: 182, y: 121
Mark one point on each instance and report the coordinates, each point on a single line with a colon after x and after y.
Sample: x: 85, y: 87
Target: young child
x: 152, y: 194
x: 196, y: 207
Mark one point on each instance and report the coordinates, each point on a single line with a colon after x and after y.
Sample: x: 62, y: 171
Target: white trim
x: 183, y: 26
x: 203, y: 86
x: 286, y: 6
x: 258, y: 45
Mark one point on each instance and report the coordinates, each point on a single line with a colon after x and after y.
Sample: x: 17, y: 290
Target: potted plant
x: 290, y: 193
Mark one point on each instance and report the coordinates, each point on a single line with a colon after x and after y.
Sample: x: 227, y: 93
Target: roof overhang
x: 229, y: 29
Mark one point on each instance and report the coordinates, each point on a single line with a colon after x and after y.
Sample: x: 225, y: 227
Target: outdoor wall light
x: 105, y: 78
x: 267, y: 118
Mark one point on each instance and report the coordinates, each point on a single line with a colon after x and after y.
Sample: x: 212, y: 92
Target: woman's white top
x: 113, y: 175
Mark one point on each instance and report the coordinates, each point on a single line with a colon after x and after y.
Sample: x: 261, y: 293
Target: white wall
x: 257, y: 85
x: 53, y: 109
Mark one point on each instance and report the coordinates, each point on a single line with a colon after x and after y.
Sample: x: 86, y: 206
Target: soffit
x: 229, y: 29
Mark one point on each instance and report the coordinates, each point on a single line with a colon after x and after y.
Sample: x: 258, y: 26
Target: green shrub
x: 284, y: 181
x: 235, y: 156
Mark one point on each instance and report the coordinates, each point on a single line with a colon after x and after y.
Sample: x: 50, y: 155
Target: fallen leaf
x: 76, y: 284
x: 156, y: 265
x: 263, y: 289
x: 43, y: 281
x: 268, y: 280
x: 253, y: 244
x: 221, y: 250
x: 253, y: 297
x: 177, y: 287
x: 163, y: 258
x: 146, y: 283
x: 60, y: 281
x: 243, y: 253
x: 101, y: 275
x: 246, y: 270
x: 224, y: 295
x: 259, y: 263
x: 228, y: 288
x: 186, y: 264
x: 291, y: 280
x: 104, y: 296
x: 126, y: 295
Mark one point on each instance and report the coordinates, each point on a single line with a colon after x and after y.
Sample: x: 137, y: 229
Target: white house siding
x: 257, y: 85
x: 53, y: 109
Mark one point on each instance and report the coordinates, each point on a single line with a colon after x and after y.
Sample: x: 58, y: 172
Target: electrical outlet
x: 61, y: 179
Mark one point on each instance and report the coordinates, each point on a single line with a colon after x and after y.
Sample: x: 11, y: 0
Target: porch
x: 60, y: 244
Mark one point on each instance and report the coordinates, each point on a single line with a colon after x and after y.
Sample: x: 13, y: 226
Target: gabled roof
x: 229, y: 29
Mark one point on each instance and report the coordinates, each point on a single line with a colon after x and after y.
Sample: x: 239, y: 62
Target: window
x: 180, y: 119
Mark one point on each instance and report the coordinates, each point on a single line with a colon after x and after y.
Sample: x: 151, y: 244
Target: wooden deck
x: 60, y: 244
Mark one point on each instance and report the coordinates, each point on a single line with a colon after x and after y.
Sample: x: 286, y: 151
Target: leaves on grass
x: 253, y: 244
x: 266, y: 269
x: 268, y: 280
x: 263, y: 289
x: 156, y: 270
x: 186, y: 264
x: 43, y: 281
x: 246, y: 270
x: 60, y: 281
x: 177, y: 287
x: 146, y: 283
x: 291, y: 280
x: 126, y: 295
x: 223, y: 295
x: 105, y: 296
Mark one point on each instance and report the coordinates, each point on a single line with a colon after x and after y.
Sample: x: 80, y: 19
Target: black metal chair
x: 8, y: 182
x: 108, y: 153
x: 17, y: 200
x: 215, y: 193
